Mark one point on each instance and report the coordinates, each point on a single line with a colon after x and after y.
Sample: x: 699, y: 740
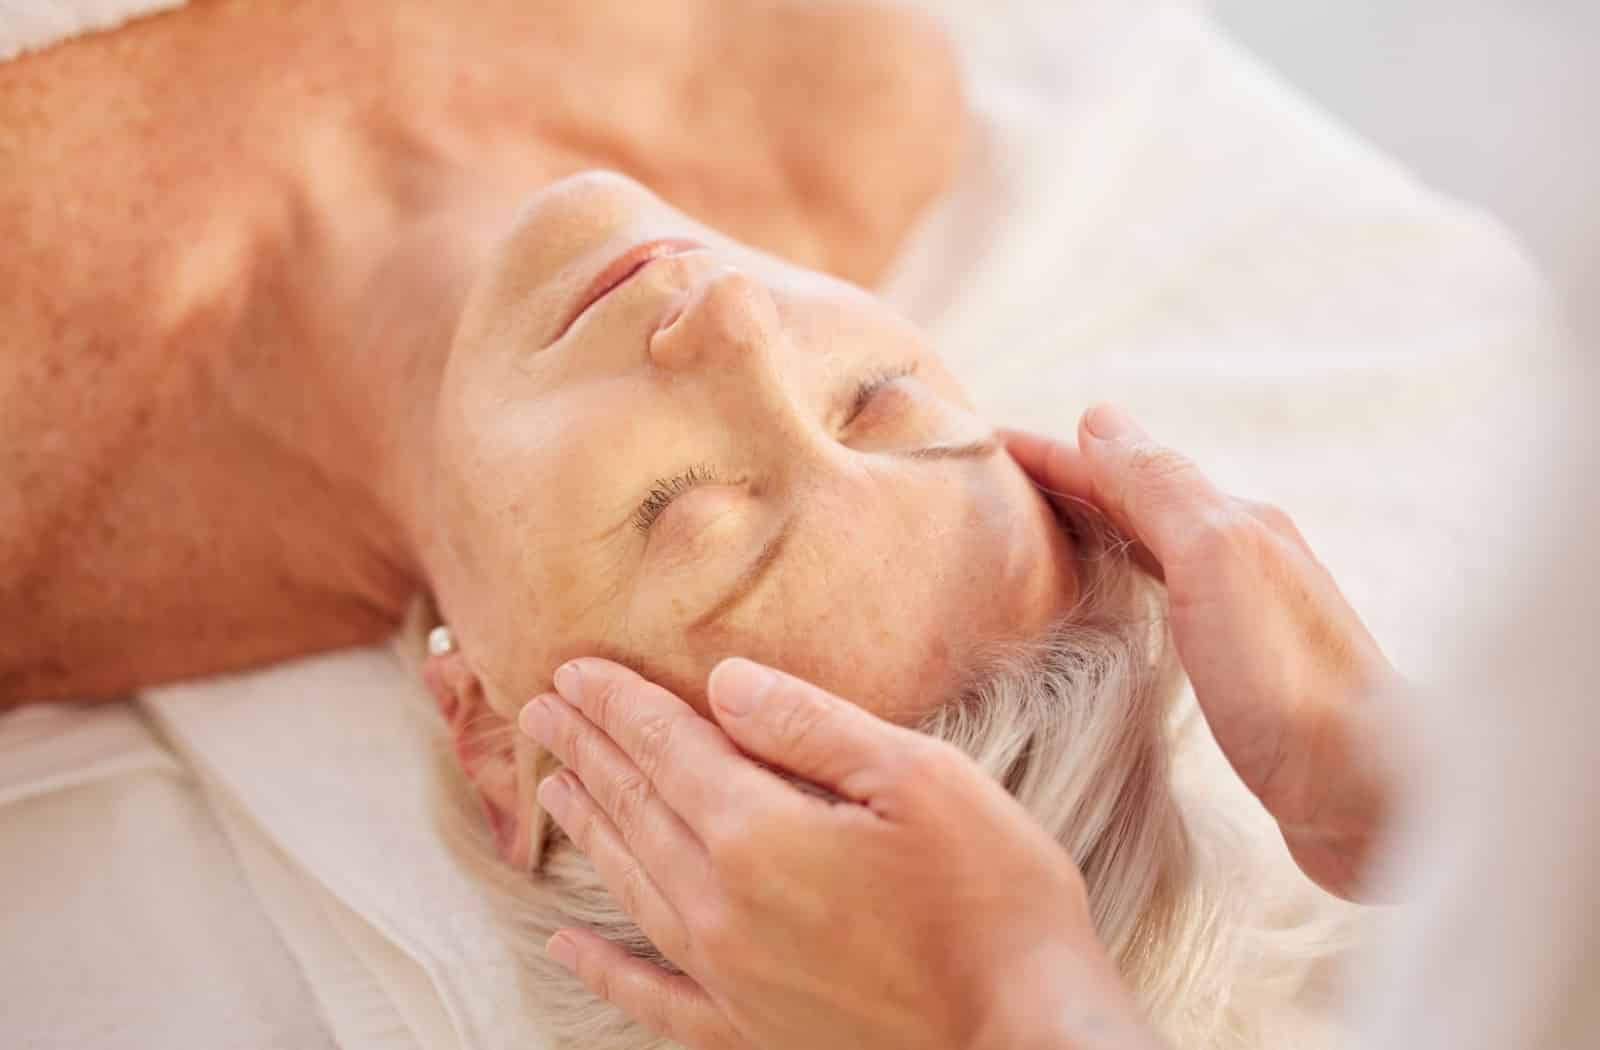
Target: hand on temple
x: 1282, y: 667
x: 921, y: 907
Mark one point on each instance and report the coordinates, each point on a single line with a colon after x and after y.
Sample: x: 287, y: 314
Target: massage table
x: 1144, y: 213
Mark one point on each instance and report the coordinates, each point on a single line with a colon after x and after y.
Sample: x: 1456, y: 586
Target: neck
x: 342, y: 348
x: 342, y: 358
x: 242, y: 468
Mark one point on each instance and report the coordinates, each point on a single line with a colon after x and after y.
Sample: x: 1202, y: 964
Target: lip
x: 620, y: 270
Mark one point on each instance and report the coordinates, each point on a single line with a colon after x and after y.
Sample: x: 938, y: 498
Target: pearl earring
x: 441, y: 641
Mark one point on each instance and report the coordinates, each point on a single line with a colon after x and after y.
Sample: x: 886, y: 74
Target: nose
x: 728, y: 321
x: 730, y: 337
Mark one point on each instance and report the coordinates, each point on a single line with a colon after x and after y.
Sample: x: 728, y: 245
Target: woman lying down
x: 664, y: 448
x: 349, y: 359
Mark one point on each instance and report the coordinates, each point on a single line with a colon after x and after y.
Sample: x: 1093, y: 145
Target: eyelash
x: 874, y: 383
x: 665, y: 490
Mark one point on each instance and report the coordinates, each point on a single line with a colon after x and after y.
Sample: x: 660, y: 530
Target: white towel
x: 325, y: 764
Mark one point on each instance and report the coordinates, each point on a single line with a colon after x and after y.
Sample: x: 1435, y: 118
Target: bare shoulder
x: 872, y: 101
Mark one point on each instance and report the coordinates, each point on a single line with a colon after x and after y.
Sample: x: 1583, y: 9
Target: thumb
x: 1149, y: 491
x: 798, y: 728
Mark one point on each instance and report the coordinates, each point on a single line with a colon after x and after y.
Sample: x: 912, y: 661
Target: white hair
x: 1220, y: 939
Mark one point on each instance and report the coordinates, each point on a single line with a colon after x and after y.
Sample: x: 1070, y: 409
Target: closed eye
x: 665, y: 490
x: 870, y: 386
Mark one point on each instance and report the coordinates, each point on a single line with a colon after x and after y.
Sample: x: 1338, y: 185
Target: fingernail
x: 555, y: 794
x: 736, y: 684
x: 1110, y: 423
x: 566, y: 679
x: 538, y: 719
x: 562, y: 950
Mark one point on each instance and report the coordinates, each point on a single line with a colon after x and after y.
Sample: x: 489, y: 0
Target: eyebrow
x: 762, y: 564
x: 971, y: 450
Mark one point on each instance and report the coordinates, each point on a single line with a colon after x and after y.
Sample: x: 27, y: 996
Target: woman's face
x: 722, y: 454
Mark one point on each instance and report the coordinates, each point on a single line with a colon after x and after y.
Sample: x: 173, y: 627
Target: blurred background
x: 1495, y: 102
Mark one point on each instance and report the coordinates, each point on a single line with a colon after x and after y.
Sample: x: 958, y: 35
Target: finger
x: 575, y: 810
x: 1275, y: 519
x: 1055, y: 466
x: 688, y: 759
x: 797, y: 727
x: 656, y: 835
x: 672, y: 1005
x: 1150, y: 492
x: 1061, y: 473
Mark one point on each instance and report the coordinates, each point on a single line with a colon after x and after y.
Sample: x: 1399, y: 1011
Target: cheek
x: 871, y: 641
x: 518, y: 592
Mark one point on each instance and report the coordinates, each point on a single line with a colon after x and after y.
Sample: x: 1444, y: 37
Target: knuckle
x: 593, y: 972
x: 579, y: 826
x: 796, y: 720
x: 715, y: 933
x: 1157, y: 479
x: 1282, y: 522
x: 730, y: 841
x: 633, y: 890
x: 1227, y: 532
x: 655, y: 743
x: 1156, y: 465
x: 585, y: 750
x: 605, y: 700
x: 1276, y: 517
x: 631, y: 796
x: 567, y: 735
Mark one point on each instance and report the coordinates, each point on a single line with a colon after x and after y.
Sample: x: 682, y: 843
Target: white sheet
x: 1143, y: 215
x: 1180, y: 233
x: 125, y: 923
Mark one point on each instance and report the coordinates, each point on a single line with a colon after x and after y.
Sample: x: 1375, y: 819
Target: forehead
x: 888, y: 617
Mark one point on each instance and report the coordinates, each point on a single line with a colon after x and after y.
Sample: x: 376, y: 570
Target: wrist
x: 1088, y: 1026
x: 1333, y: 823
x: 1074, y: 1003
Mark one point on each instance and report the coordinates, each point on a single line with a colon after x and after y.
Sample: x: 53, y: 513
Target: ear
x: 500, y: 763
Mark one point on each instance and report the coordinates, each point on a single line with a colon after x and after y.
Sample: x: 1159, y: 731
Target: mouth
x: 622, y: 269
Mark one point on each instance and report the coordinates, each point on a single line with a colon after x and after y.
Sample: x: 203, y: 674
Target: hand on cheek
x: 803, y: 921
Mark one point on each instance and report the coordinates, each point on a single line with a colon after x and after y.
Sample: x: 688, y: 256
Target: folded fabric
x: 324, y: 773
x: 127, y: 923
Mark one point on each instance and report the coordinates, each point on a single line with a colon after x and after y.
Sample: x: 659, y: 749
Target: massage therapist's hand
x: 919, y: 908
x: 1282, y: 667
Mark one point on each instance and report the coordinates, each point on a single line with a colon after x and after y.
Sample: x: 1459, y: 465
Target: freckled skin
x: 237, y: 238
x: 894, y: 568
